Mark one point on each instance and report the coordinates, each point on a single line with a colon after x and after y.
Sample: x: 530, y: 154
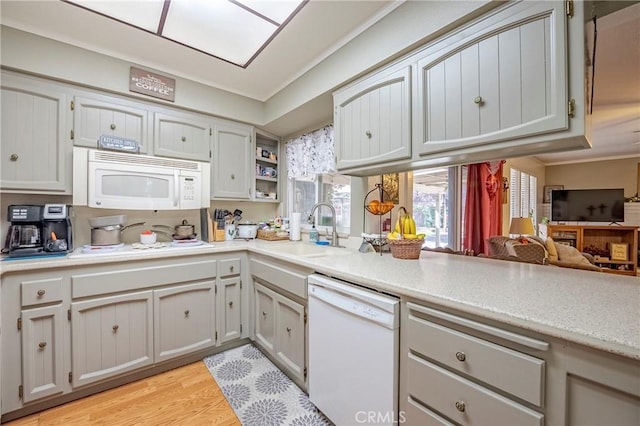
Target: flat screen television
x: 587, y: 205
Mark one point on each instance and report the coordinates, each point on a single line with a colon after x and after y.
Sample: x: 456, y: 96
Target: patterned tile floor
x: 259, y: 393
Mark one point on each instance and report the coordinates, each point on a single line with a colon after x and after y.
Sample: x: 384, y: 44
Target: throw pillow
x: 571, y: 254
x: 551, y: 249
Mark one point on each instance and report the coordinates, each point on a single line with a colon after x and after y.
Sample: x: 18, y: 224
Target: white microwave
x: 116, y: 180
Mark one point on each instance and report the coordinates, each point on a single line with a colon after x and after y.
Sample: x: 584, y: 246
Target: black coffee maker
x: 39, y: 230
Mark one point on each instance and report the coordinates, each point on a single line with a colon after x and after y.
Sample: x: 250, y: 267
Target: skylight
x: 235, y: 31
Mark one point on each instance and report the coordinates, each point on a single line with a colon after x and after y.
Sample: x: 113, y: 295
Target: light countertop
x: 598, y: 310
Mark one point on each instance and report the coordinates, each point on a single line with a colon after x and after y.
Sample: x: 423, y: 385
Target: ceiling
x: 319, y: 29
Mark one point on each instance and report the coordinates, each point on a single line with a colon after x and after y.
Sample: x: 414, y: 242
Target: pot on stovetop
x: 106, y: 231
x: 184, y: 230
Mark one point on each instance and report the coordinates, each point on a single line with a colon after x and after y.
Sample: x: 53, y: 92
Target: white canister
x: 229, y: 231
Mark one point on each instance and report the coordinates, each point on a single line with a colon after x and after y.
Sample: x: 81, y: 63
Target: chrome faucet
x: 334, y: 235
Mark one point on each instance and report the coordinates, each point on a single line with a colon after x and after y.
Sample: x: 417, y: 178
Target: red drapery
x: 483, y: 209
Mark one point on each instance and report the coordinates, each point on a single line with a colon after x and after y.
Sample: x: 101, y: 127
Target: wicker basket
x: 270, y: 235
x: 406, y: 249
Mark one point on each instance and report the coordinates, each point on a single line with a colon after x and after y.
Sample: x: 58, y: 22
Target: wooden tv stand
x: 600, y: 238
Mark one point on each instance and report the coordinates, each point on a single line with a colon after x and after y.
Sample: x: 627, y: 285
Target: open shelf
x: 600, y: 240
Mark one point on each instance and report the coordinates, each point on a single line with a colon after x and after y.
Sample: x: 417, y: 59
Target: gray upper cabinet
x: 230, y: 162
x: 97, y: 115
x: 36, y: 150
x: 372, y: 119
x: 186, y: 136
x: 502, y: 78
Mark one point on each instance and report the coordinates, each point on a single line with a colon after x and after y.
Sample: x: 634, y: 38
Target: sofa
x: 536, y: 250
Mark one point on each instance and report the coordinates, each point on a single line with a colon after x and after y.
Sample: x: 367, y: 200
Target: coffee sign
x: 152, y: 84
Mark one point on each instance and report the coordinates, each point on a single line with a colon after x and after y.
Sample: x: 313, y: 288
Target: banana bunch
x: 405, y: 227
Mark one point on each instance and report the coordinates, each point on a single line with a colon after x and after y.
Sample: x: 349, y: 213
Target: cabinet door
x: 110, y: 336
x: 185, y: 137
x: 184, y: 319
x: 102, y: 115
x: 229, y: 310
x: 42, y: 352
x: 372, y: 120
x: 230, y: 163
x: 502, y: 78
x: 265, y: 316
x: 35, y: 130
x: 290, y: 335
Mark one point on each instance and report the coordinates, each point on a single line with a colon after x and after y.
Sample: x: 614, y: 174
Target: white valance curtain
x: 310, y: 154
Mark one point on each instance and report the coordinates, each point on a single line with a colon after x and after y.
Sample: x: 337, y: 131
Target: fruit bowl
x: 379, y: 208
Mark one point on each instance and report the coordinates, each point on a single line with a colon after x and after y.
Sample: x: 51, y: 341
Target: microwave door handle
x: 176, y: 192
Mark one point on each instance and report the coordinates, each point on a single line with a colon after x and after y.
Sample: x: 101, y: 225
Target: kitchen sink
x: 308, y: 250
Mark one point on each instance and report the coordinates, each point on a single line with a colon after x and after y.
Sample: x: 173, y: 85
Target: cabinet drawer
x: 463, y: 401
x: 288, y: 278
x: 519, y: 374
x: 41, y: 291
x: 418, y: 414
x: 229, y: 267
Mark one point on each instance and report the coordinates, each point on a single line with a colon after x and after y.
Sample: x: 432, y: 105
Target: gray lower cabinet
x: 42, y: 343
x: 459, y: 370
x: 279, y: 314
x: 229, y: 309
x: 111, y: 335
x: 184, y: 319
x: 453, y: 371
x: 280, y: 329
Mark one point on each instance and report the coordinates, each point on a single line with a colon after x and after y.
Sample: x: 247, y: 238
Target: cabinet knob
x: 231, y: 268
x: 112, y: 127
x: 42, y: 345
x: 233, y: 176
x: 13, y: 157
x: 289, y: 330
x: 184, y: 139
x: 368, y: 133
x: 461, y: 356
x: 478, y: 100
x: 264, y: 314
x: 186, y: 313
x: 231, y: 304
x: 115, y: 328
x: 460, y: 406
x: 41, y: 293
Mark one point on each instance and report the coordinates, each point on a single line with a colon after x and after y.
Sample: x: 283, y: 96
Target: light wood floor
x: 185, y: 396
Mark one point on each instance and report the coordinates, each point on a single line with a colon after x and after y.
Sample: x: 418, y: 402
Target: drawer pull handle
x: 115, y: 328
x: 41, y: 293
x: 186, y: 313
x: 460, y: 406
x: 231, y: 304
x: 14, y: 157
x: 461, y: 356
x: 42, y: 345
x: 289, y: 330
x: 184, y: 139
x: 112, y: 127
x: 231, y: 268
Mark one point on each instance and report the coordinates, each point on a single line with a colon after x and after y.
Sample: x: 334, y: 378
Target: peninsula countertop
x: 594, y: 309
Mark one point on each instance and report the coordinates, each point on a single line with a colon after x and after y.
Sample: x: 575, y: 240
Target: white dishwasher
x: 353, y: 352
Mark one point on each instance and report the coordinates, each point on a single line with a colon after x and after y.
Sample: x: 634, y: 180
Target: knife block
x: 218, y: 233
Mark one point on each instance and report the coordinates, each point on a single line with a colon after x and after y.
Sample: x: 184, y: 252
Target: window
x: 304, y: 192
x: 522, y: 195
x: 436, y: 205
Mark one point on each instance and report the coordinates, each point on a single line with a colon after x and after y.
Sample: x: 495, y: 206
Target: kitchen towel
x: 294, y: 232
